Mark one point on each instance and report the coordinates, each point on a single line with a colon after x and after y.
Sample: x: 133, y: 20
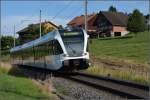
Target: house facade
x: 32, y: 31
x: 80, y: 22
x: 111, y: 24
x: 103, y: 24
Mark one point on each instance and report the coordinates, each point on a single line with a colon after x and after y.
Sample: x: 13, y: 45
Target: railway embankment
x: 78, y: 91
x: 14, y: 85
x: 125, y: 59
x: 60, y: 88
x: 119, y: 69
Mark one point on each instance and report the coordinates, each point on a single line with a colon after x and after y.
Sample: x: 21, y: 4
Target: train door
x: 57, y: 50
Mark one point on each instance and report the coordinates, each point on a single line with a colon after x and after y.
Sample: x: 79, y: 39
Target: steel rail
x: 125, y: 89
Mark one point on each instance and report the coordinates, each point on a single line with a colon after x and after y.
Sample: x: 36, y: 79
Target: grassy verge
x: 61, y: 89
x: 117, y: 37
x: 5, y: 67
x: 135, y: 49
x: 21, y: 88
x: 124, y: 58
x: 5, y: 58
x: 124, y: 75
x: 15, y: 87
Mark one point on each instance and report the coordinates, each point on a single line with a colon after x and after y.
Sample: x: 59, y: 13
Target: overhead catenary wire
x: 56, y: 15
x: 75, y: 12
x: 72, y: 16
x: 60, y: 11
x: 27, y: 19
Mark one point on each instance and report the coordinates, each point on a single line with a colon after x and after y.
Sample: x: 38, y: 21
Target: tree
x: 7, y: 42
x: 136, y: 22
x: 33, y: 31
x: 112, y: 9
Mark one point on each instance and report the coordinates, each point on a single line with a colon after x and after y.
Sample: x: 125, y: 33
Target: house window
x: 117, y: 33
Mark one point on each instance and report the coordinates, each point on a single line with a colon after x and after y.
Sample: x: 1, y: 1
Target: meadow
x: 135, y: 49
x: 123, y: 58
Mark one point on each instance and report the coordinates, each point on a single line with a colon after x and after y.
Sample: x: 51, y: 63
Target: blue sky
x: 14, y: 12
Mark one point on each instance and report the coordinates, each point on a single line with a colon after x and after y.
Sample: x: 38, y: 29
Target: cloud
x: 8, y: 22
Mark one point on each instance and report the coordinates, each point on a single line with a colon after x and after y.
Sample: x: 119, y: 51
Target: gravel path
x: 78, y: 91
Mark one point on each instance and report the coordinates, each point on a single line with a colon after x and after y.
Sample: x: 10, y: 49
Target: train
x: 59, y: 50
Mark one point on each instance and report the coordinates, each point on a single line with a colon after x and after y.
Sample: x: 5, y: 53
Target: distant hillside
x: 135, y: 49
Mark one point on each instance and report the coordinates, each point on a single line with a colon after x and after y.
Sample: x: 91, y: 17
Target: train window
x: 49, y: 48
x: 36, y: 52
x: 43, y: 49
x: 74, y: 36
x: 26, y: 53
x: 16, y: 55
x: 87, y: 48
x: 57, y: 48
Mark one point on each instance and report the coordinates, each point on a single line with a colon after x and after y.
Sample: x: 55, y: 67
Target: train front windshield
x: 73, y: 41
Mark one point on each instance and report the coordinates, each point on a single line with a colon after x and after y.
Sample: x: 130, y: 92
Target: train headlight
x: 65, y: 55
x: 84, y: 54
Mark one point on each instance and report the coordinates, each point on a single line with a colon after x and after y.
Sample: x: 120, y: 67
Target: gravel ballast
x: 70, y: 90
x: 77, y: 91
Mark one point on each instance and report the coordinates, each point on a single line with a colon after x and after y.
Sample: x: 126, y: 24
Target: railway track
x: 125, y: 89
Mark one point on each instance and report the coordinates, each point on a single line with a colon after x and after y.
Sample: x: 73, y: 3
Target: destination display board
x: 71, y: 33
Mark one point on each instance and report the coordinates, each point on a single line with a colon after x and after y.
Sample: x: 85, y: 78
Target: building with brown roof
x: 32, y: 31
x: 79, y: 22
x: 103, y: 24
x: 111, y: 24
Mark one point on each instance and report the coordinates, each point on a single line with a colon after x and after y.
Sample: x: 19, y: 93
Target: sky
x: 22, y: 13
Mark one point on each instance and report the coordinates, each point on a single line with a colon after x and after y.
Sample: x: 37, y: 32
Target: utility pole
x: 0, y: 43
x: 85, y: 17
x: 40, y: 23
x: 14, y: 36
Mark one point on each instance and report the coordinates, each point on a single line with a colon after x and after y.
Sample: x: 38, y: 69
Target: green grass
x: 61, y: 89
x: 124, y: 75
x: 135, y: 49
x: 16, y: 88
x: 5, y: 58
x: 123, y: 53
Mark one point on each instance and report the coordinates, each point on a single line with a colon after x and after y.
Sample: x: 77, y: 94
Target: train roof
x: 49, y: 36
x: 43, y: 39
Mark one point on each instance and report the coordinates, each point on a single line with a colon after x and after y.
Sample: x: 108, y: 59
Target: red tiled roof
x: 79, y: 20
